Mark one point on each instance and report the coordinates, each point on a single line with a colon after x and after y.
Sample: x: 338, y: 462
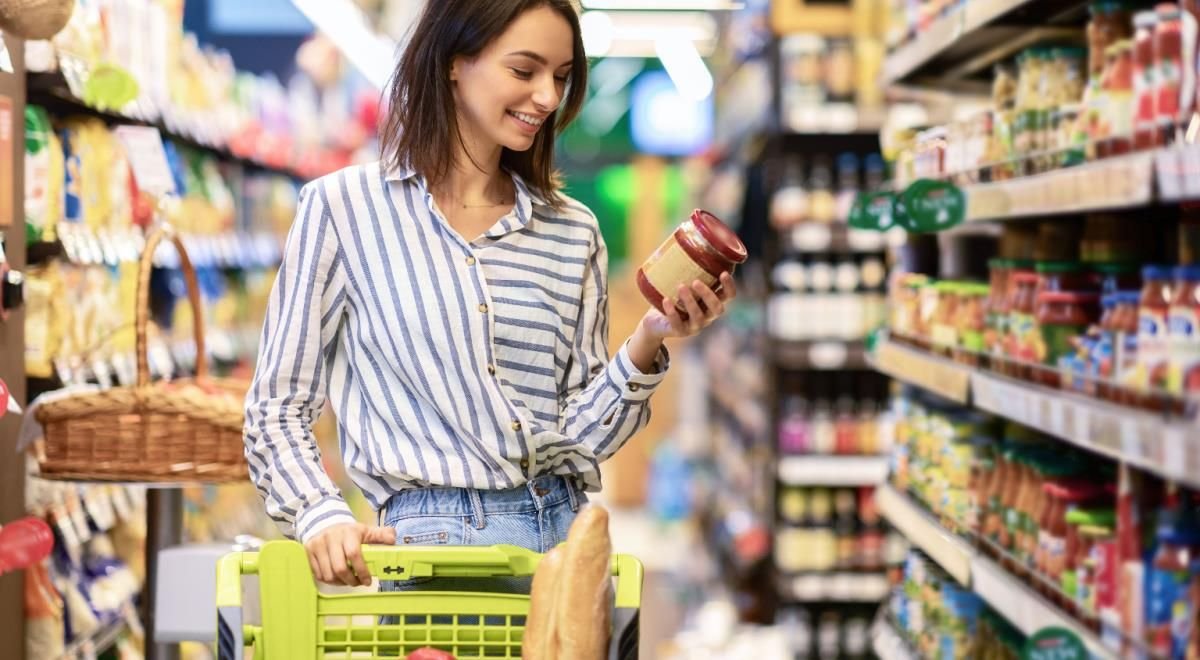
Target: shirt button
x: 633, y: 387
x: 524, y: 464
x: 491, y: 370
x: 483, y: 308
x: 516, y: 426
x: 470, y: 261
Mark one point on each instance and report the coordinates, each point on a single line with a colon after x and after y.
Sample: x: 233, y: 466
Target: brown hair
x: 421, y: 126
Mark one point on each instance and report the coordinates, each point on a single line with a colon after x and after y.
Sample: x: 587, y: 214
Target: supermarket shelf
x: 838, y: 238
x: 1164, y: 445
x: 969, y: 40
x: 1006, y: 593
x: 50, y: 91
x: 888, y: 644
x: 819, y: 355
x: 833, y: 470
x: 1110, y: 184
x: 920, y: 527
x: 834, y: 587
x: 938, y: 375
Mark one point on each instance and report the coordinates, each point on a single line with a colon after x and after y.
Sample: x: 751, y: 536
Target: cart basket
x: 298, y: 622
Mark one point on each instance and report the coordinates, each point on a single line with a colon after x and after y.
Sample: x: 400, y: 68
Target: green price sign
x: 873, y: 211
x: 931, y: 206
x: 1054, y: 644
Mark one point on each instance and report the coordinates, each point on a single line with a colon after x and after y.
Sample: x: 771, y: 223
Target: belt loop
x: 571, y: 496
x: 476, y: 508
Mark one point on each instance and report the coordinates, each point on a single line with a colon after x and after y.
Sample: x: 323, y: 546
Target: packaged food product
x: 1118, y: 276
x: 1022, y: 322
x: 943, y: 332
x: 1117, y: 136
x: 1126, y: 326
x: 971, y: 320
x: 1145, y: 84
x: 996, y: 305
x: 1183, y: 332
x: 1061, y: 276
x: 1061, y: 316
x: 1153, y: 306
x: 1110, y: 22
x: 702, y: 248
x: 1175, y: 566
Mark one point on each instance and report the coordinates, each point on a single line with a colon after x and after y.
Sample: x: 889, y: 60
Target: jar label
x: 671, y: 266
x: 1183, y: 327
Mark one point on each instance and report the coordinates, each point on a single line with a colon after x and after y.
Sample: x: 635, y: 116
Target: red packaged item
x: 1152, y: 347
x: 1145, y: 81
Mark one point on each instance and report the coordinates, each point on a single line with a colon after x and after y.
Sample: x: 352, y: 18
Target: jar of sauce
x: 1064, y: 276
x: 995, y: 306
x: 1118, y: 86
x: 1169, y: 49
x: 1022, y: 324
x: 701, y: 248
x: 1153, y: 305
x: 1183, y: 331
x: 1145, y: 71
x: 1061, y: 318
x: 1110, y: 22
x: 1125, y: 323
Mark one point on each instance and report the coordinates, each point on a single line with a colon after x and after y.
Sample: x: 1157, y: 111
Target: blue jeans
x: 535, y: 516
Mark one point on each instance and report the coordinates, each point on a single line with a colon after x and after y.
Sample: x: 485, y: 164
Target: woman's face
x: 505, y: 95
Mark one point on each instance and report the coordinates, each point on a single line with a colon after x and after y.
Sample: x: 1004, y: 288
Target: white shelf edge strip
x: 1022, y: 606
x: 949, y: 551
x: 849, y: 587
x: 833, y: 470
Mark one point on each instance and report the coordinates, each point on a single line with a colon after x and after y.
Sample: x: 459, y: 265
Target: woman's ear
x: 454, y: 65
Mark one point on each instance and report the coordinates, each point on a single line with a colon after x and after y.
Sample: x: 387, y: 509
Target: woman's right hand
x: 335, y: 554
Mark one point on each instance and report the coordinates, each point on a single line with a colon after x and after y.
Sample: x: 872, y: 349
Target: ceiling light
x: 633, y: 33
x: 685, y: 67
x: 346, y: 26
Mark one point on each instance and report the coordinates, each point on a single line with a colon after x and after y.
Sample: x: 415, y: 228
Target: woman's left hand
x: 702, y: 305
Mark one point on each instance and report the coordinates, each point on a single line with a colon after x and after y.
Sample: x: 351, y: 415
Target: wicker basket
x: 169, y: 432
x: 35, y: 19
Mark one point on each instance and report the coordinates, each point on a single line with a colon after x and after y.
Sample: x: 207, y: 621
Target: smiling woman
x: 506, y: 71
x: 451, y: 304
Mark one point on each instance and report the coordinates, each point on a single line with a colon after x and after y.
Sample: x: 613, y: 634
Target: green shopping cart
x: 298, y: 622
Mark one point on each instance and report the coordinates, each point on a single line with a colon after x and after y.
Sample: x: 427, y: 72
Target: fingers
x: 337, y: 561
x: 319, y: 553
x: 728, y: 287
x: 712, y: 304
x: 695, y: 315
x: 380, y: 536
x: 678, y: 325
x: 354, y: 558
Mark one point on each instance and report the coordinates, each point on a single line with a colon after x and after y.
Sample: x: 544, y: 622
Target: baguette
x: 540, y: 641
x: 583, y: 611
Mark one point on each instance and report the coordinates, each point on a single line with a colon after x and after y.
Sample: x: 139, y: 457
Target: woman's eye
x: 522, y: 74
x: 562, y: 79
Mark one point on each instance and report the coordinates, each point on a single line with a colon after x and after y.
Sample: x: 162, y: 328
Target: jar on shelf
x: 1110, y: 22
x: 1145, y: 83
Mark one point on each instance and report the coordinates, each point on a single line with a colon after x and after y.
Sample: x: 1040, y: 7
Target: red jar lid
x: 719, y: 236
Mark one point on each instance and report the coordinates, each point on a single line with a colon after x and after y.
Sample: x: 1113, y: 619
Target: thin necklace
x: 486, y: 206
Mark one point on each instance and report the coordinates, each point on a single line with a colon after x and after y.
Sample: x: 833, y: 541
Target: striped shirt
x: 476, y: 364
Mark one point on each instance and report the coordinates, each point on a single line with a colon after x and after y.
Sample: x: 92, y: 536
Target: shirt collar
x: 523, y: 208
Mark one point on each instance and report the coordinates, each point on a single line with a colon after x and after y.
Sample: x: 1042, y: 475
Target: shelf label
x: 1054, y: 643
x: 144, y: 148
x: 934, y: 374
x: 932, y: 206
x: 875, y: 211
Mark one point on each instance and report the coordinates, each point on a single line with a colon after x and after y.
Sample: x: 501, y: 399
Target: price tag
x: 1175, y: 459
x: 1131, y: 442
x: 148, y: 158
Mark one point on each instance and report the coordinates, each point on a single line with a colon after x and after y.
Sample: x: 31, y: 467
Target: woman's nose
x: 547, y: 95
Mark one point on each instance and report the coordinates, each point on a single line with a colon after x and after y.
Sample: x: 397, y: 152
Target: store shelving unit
x: 1008, y: 594
x: 1162, y: 444
x: 834, y: 587
x: 821, y: 355
x: 832, y: 470
x: 50, y: 91
x: 971, y: 36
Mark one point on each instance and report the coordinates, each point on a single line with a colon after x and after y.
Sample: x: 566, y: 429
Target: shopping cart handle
x: 392, y: 563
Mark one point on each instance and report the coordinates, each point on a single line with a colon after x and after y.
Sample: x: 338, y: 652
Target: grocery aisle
x: 951, y: 413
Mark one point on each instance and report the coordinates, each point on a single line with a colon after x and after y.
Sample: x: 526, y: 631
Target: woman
x: 452, y: 305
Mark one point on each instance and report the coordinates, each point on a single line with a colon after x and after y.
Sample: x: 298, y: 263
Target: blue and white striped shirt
x: 447, y: 363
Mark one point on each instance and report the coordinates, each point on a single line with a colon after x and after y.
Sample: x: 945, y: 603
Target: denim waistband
x: 539, y: 493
